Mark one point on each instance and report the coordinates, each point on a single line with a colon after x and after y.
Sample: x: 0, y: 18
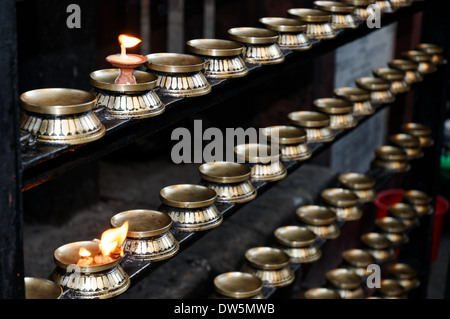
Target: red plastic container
x: 392, y: 196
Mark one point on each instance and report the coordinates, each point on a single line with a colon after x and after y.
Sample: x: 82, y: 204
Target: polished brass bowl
x: 260, y: 45
x: 404, y: 212
x: 423, y: 132
x: 412, y: 75
x: 360, y: 98
x: 264, y: 161
x: 424, y: 59
x: 346, y: 283
x: 40, y: 288
x: 291, y: 140
x: 318, y: 22
x: 238, y: 285
x: 223, y: 58
x: 179, y: 75
x: 148, y: 238
x: 379, y: 246
x: 380, y: 89
x: 191, y: 207
x: 357, y: 260
x: 396, y: 77
x: 390, y: 289
x: 385, y: 6
x: 319, y: 219
x: 316, y: 125
x: 88, y: 282
x: 321, y: 293
x: 125, y: 101
x: 60, y: 116
x: 393, y: 228
x: 421, y: 201
x: 391, y: 158
x: 342, y: 14
x: 291, y: 32
x: 269, y: 264
x: 299, y: 243
x: 409, y: 143
x: 405, y: 275
x: 231, y: 181
x: 360, y: 184
x: 343, y: 202
x: 362, y: 8
x: 436, y: 51
x: 401, y: 3
x: 339, y: 110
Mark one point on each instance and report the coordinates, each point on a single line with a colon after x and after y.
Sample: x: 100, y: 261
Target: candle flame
x: 83, y: 252
x: 113, y: 238
x: 128, y: 41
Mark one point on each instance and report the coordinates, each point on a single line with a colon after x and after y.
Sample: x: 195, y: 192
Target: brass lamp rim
x: 334, y: 6
x: 321, y: 293
x: 402, y: 271
x: 237, y: 284
x: 343, y: 278
x: 417, y: 197
x: 252, y: 35
x: 309, y: 118
x: 352, y: 94
x: 405, y: 140
x: 430, y: 48
x: 309, y: 15
x: 376, y: 240
x: 187, y: 196
x: 225, y: 172
x: 316, y: 215
x: 402, y: 210
x: 359, y: 3
x: 390, y: 153
x: 174, y: 62
x: 391, y: 288
x: 390, y: 224
x: 57, y: 101
x: 286, y: 134
x: 333, y: 105
x: 215, y: 47
x: 356, y: 181
x: 295, y: 236
x: 268, y: 258
x: 143, y: 222
x: 403, y: 64
x: 340, y: 197
x: 251, y: 153
x: 417, y: 55
x: 416, y: 129
x: 389, y: 74
x: 41, y: 288
x: 283, y: 24
x: 373, y: 83
x: 358, y: 257
x: 104, y: 80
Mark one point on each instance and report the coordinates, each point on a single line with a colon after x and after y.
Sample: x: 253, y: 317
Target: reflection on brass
x: 320, y: 220
x: 339, y: 110
x: 396, y: 77
x: 360, y: 98
x: 424, y: 60
x: 419, y: 200
x: 222, y: 57
x: 127, y: 100
x: 380, y: 89
x: 405, y: 275
x: 316, y: 125
x: 231, y: 181
x: 291, y: 32
x: 269, y: 264
x: 361, y: 185
x: 391, y: 158
x: 321, y: 293
x: 393, y: 228
x: 412, y: 75
x: 401, y: 3
x: 179, y: 75
x: 409, y: 143
x: 361, y: 11
x: 390, y: 289
x: 263, y: 159
x: 60, y: 116
x: 318, y: 23
x: 423, y: 132
x: 291, y: 140
x: 148, y: 238
x: 379, y: 246
x: 342, y: 14
x: 436, y: 51
x: 385, y: 6
x: 358, y: 260
x: 239, y: 285
x: 91, y: 282
x: 405, y: 213
x: 346, y: 283
x: 299, y: 243
x: 260, y: 45
x: 40, y: 288
x: 191, y: 207
x: 343, y: 202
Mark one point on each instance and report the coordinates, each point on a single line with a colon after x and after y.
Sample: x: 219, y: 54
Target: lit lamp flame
x: 127, y: 41
x: 83, y: 252
x: 112, y: 239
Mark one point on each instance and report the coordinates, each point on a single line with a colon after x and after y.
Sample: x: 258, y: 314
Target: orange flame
x: 113, y: 238
x: 127, y: 41
x: 83, y: 252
